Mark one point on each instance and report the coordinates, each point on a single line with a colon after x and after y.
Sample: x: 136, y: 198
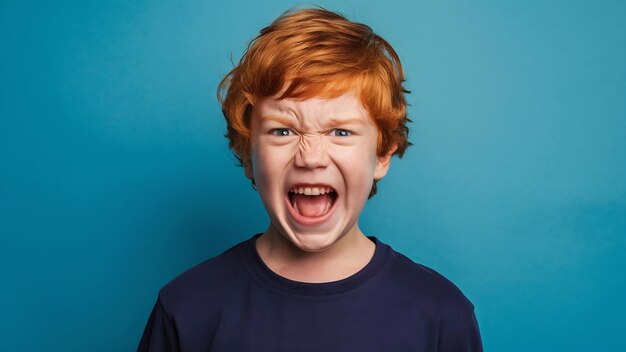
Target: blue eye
x: 342, y: 133
x: 282, y: 132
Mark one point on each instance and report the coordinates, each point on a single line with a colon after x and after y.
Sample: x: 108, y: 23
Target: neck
x: 343, y: 259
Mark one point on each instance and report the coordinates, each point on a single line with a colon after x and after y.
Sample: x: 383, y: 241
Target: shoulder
x: 210, y: 280
x: 426, y: 285
x: 435, y: 298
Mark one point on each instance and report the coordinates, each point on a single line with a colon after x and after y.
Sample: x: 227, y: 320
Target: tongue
x: 311, y: 206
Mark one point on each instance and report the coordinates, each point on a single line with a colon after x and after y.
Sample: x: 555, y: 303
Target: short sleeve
x: 160, y: 332
x: 469, y: 339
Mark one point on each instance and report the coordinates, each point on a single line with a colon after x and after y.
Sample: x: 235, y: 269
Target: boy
x: 315, y: 110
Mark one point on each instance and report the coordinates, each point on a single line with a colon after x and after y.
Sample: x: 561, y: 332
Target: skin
x: 330, y: 142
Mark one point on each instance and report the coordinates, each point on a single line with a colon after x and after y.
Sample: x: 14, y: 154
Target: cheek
x: 268, y: 164
x: 358, y: 166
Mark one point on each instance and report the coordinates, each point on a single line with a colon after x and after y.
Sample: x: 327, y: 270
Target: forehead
x: 314, y: 110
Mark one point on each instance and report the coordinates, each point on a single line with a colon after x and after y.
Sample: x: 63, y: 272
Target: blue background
x: 115, y: 175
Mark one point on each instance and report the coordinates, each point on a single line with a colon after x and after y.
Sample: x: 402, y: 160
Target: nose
x: 312, y: 152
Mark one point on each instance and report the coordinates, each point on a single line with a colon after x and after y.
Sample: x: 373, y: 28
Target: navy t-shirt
x: 234, y: 302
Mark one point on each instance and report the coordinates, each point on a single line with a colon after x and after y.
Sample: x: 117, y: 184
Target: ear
x: 383, y: 162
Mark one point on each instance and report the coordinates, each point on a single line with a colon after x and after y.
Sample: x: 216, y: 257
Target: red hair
x: 317, y: 53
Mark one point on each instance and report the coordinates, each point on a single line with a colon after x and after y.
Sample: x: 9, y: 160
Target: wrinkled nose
x: 312, y: 152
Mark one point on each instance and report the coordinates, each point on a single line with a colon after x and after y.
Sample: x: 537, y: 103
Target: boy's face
x: 313, y: 162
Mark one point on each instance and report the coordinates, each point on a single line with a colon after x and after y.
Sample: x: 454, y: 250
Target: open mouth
x: 312, y: 201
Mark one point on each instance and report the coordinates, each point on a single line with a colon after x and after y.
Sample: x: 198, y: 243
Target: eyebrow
x: 334, y: 121
x: 346, y: 121
x: 280, y: 119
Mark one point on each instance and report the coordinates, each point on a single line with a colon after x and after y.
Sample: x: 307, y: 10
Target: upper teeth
x: 311, y: 191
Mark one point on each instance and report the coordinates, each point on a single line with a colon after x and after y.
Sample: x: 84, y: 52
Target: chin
x: 313, y: 243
